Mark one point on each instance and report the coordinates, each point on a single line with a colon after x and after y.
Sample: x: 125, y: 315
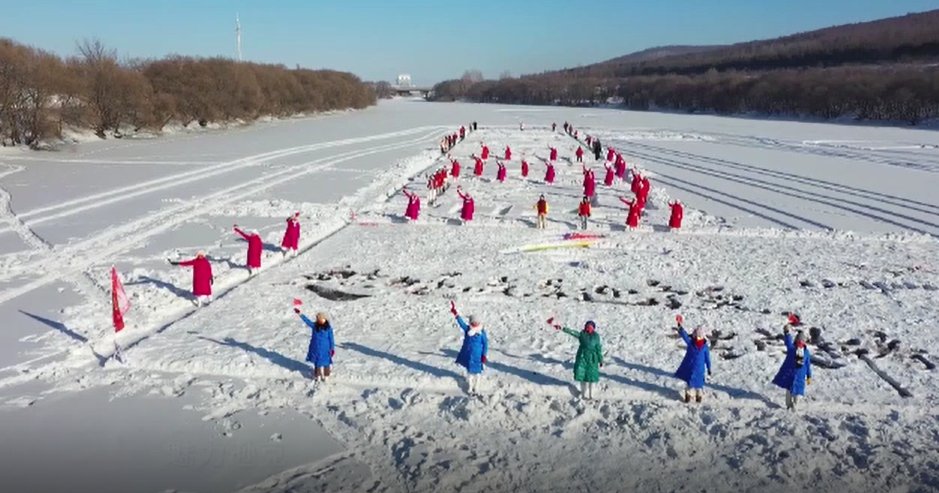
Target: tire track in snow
x: 75, y: 258
x: 120, y: 194
x: 793, y: 193
x: 103, y: 353
x: 14, y: 222
x: 814, y: 182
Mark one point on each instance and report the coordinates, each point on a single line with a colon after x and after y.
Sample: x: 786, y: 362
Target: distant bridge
x: 408, y: 90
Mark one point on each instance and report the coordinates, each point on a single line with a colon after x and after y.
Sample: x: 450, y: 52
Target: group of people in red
x: 615, y: 165
x: 202, y: 277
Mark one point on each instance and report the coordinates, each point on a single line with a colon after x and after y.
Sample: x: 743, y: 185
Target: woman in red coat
x: 413, y: 210
x: 291, y: 240
x: 549, y: 173
x: 202, y: 278
x: 632, y: 220
x: 478, y: 168
x: 454, y: 169
x: 524, y: 168
x: 485, y: 152
x: 500, y: 174
x: 469, y: 207
x: 610, y: 176
x: 620, y: 167
x: 255, y: 247
x: 580, y: 154
x: 554, y: 153
x: 508, y: 153
x: 678, y: 212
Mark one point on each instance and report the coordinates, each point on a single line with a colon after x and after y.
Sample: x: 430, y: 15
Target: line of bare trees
x: 890, y: 93
x: 41, y: 93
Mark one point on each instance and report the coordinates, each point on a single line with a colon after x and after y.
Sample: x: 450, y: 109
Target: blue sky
x: 378, y: 39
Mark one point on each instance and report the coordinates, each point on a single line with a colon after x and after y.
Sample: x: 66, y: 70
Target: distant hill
x: 885, y: 69
x: 912, y: 37
x: 657, y: 52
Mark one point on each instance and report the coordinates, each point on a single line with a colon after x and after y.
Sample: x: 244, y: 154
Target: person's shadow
x: 176, y: 290
x: 500, y: 366
x: 731, y: 391
x: 272, y: 356
x: 399, y: 360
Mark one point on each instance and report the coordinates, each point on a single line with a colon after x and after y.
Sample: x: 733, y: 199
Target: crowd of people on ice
x: 695, y: 367
x: 615, y: 165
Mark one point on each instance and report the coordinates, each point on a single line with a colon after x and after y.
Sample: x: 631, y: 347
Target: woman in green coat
x: 589, y: 357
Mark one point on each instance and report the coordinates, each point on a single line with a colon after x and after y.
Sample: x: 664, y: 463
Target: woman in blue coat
x: 322, y: 345
x: 796, y: 370
x: 697, y: 359
x: 472, y: 354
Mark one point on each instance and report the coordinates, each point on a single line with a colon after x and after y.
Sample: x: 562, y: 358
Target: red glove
x: 453, y: 308
x: 332, y: 352
x: 679, y: 319
x: 296, y: 310
x: 484, y: 359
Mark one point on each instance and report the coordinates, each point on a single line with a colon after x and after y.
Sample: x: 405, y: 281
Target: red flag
x: 119, y: 302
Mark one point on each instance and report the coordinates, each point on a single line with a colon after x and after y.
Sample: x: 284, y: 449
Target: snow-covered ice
x: 836, y: 222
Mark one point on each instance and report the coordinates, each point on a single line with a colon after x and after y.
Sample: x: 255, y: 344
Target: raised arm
x: 787, y: 337
x: 684, y: 335
x: 707, y: 358
x: 186, y: 263
x: 311, y: 324
x: 462, y: 324
x: 570, y: 332
x: 240, y: 232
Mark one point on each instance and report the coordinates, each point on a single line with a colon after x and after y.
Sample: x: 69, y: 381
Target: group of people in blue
x: 695, y: 368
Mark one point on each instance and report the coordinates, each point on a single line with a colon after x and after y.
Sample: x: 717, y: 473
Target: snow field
x: 397, y: 401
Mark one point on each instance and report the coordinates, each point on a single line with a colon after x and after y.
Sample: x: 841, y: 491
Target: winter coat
x: 590, y: 184
x: 500, y: 174
x: 579, y: 152
x: 524, y: 168
x: 696, y: 364
x: 609, y: 177
x: 589, y: 356
x: 549, y: 174
x: 610, y: 154
x: 255, y: 247
x: 292, y: 234
x: 455, y: 169
x: 554, y: 154
x: 474, y: 348
x: 485, y: 152
x: 201, y: 275
x: 791, y: 376
x: 583, y: 209
x: 508, y: 153
x: 322, y: 344
x: 678, y: 212
x: 632, y: 219
x: 620, y: 167
x: 542, y: 207
x: 469, y: 207
x: 414, y: 206
x: 636, y: 185
x: 478, y: 168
